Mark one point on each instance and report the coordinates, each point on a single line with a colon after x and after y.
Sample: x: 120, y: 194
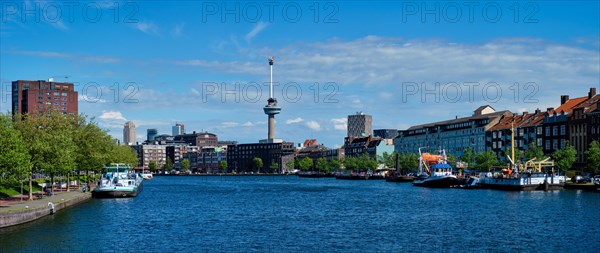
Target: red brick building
x: 32, y: 97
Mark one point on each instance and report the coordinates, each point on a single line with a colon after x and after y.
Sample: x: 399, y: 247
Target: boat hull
x: 525, y: 187
x: 117, y: 192
x: 352, y: 177
x: 445, y: 182
x: 400, y: 179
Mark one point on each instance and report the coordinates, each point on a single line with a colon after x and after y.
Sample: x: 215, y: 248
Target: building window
x: 56, y: 93
x: 562, y: 144
x: 554, y: 130
x: 538, y: 142
x: 521, y: 132
x: 64, y: 99
x: 563, y: 130
x: 64, y: 94
x: 554, y: 144
x: 547, y: 131
x: 495, y: 134
x: 547, y: 144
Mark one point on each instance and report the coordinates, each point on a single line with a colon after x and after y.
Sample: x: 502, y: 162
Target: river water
x: 290, y: 214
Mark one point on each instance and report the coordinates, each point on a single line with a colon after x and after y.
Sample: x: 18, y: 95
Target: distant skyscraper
x: 178, y: 129
x: 33, y: 97
x: 151, y: 133
x: 129, y: 133
x: 359, y: 124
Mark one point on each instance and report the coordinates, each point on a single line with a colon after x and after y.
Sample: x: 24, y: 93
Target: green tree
x: 273, y: 167
x: 306, y: 164
x: 351, y: 163
x: 485, y: 160
x: 168, y: 165
x: 123, y: 154
x: 334, y: 164
x: 365, y: 162
x: 93, y: 146
x: 592, y: 157
x: 223, y: 166
x: 451, y: 159
x: 185, y: 165
x: 468, y: 156
x: 15, y: 161
x: 257, y: 164
x: 152, y: 166
x: 407, y: 162
x: 564, y: 158
x: 389, y: 160
x: 534, y: 151
x: 322, y: 165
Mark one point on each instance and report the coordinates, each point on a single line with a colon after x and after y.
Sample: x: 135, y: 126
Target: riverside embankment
x: 27, y: 211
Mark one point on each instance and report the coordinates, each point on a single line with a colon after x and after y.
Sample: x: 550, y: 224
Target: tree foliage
x: 257, y: 163
x: 335, y: 164
x: 592, y: 157
x: 15, y: 161
x: 408, y: 161
x: 306, y: 164
x: 185, y: 165
x: 152, y: 166
x: 534, y: 151
x: 468, y: 156
x: 564, y: 158
x: 322, y: 165
x: 485, y: 160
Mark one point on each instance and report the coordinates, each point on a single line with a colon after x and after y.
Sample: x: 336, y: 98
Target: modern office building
x: 33, y: 97
x: 452, y: 135
x: 151, y: 133
x: 240, y: 156
x: 207, y: 159
x: 178, y: 129
x: 385, y: 133
x: 129, y: 133
x: 359, y: 124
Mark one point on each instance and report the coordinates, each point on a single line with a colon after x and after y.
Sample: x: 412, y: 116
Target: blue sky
x: 404, y: 62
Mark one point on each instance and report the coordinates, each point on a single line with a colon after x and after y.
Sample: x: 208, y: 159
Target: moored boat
x: 119, y: 181
x: 147, y: 175
x: 439, y: 173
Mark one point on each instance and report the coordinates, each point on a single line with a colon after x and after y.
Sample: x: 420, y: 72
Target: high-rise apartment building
x: 129, y: 133
x: 178, y: 129
x: 33, y: 97
x: 151, y: 133
x: 360, y: 124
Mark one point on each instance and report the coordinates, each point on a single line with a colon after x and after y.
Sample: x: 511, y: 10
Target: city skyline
x: 172, y: 64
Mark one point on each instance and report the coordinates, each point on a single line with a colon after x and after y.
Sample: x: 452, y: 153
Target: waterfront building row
x: 576, y: 121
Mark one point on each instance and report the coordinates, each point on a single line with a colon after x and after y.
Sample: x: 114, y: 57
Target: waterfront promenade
x: 21, y: 212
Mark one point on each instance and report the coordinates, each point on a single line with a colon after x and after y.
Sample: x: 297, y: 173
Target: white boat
x: 147, y: 175
x: 119, y: 181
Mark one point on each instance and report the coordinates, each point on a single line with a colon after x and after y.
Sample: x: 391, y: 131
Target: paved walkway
x: 43, y: 202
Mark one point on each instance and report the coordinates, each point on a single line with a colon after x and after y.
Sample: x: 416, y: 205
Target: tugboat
x: 439, y: 172
x: 533, y: 175
x: 119, y: 181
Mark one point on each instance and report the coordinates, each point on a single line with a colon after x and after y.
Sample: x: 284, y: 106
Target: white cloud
x: 294, y: 121
x: 230, y: 124
x: 112, y: 115
x: 146, y: 27
x: 340, y: 124
x: 255, y: 31
x: 313, y: 125
x: 177, y: 30
x: 248, y: 124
